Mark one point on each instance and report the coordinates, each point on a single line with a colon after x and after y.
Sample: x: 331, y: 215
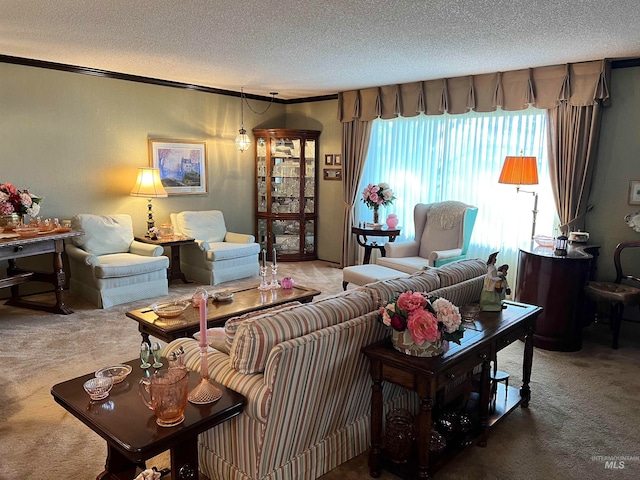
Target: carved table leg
x: 424, y: 440
x: 525, y: 391
x: 376, y: 421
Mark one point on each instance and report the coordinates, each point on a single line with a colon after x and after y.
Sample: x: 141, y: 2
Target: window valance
x: 578, y: 84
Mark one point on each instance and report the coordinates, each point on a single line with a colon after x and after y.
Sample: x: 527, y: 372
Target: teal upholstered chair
x: 442, y: 235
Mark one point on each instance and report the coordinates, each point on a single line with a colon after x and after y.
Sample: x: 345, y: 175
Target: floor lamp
x: 150, y: 186
x: 522, y: 171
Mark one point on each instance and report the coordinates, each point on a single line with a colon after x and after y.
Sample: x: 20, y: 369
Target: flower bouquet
x: 19, y: 202
x: 422, y: 324
x: 375, y: 195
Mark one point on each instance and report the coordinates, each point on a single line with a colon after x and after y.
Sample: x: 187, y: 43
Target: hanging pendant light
x: 242, y: 139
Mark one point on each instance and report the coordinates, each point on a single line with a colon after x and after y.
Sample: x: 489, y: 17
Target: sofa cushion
x: 256, y: 337
x: 405, y: 264
x: 207, y: 225
x: 103, y: 234
x: 231, y: 325
x: 383, y: 291
x: 457, y: 272
x: 216, y: 338
x: 127, y: 264
x: 225, y: 250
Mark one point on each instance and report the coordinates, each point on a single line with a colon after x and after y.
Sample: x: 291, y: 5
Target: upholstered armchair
x: 443, y: 231
x: 108, y: 267
x: 217, y: 255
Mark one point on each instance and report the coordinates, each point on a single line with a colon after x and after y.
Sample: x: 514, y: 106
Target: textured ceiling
x: 304, y: 48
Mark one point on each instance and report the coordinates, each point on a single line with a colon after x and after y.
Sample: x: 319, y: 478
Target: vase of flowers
x: 376, y: 195
x: 14, y: 202
x: 422, y: 324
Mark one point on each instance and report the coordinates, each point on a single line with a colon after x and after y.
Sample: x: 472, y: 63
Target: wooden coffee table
x: 244, y: 300
x: 130, y: 428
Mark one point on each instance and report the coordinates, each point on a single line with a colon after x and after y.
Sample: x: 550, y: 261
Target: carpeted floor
x: 585, y: 405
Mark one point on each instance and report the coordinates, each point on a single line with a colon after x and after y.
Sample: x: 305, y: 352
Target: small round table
x: 363, y: 233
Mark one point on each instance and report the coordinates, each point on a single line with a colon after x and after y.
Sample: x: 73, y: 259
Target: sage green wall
x: 618, y: 163
x: 323, y: 116
x: 78, y: 140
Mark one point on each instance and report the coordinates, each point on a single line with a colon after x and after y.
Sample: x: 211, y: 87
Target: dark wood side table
x: 556, y: 283
x: 174, y: 242
x: 428, y: 376
x: 130, y: 428
x: 362, y: 237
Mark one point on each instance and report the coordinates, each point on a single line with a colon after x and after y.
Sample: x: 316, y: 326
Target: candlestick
x: 274, y: 256
x: 203, y: 322
x: 263, y: 282
x: 264, y: 258
x: 274, y: 276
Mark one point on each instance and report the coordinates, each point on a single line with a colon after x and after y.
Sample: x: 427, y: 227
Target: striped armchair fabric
x: 308, y: 400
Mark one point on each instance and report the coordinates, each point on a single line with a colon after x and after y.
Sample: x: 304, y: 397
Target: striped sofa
x: 306, y: 382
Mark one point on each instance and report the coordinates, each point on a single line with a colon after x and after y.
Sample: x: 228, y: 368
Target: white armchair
x: 442, y: 235
x: 108, y: 267
x: 217, y: 255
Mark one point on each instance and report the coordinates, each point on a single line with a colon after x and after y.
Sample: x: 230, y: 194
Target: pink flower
x: 398, y: 322
x: 448, y: 314
x: 386, y: 319
x: 411, y: 302
x: 423, y: 327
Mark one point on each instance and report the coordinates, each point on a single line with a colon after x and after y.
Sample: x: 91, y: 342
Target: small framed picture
x: 634, y: 192
x: 182, y: 165
x: 337, y: 159
x: 332, y: 174
x: 328, y: 159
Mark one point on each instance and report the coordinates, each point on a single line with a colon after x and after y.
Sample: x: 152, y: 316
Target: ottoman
x: 363, y: 274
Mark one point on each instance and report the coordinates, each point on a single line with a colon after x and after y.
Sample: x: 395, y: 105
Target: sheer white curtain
x: 429, y: 159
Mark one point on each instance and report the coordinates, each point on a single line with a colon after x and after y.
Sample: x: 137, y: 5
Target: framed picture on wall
x: 337, y: 159
x: 328, y: 159
x: 182, y: 165
x: 634, y: 192
x: 332, y: 174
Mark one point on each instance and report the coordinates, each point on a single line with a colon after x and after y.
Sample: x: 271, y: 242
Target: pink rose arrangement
x: 428, y: 318
x: 22, y: 202
x: 376, y: 195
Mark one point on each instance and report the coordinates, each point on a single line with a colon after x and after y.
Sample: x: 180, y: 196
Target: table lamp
x: 150, y: 186
x: 522, y: 171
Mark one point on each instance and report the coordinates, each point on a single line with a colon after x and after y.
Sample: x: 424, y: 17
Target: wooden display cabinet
x: 286, y: 192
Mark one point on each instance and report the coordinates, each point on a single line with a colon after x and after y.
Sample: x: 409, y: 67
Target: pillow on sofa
x: 457, y: 272
x: 231, y: 325
x: 215, y: 338
x: 384, y: 290
x: 256, y: 337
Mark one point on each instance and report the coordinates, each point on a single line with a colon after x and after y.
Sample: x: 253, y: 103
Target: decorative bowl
x: 544, y: 241
x: 170, y: 309
x: 62, y: 229
x: 117, y: 372
x: 98, y: 387
x: 223, y: 296
x: 26, y: 232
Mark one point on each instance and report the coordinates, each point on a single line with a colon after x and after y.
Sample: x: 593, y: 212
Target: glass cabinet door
x: 286, y: 189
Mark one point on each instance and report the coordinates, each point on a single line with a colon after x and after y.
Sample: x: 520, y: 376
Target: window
x: 429, y: 159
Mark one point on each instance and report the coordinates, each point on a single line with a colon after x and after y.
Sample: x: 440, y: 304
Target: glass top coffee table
x: 245, y: 300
